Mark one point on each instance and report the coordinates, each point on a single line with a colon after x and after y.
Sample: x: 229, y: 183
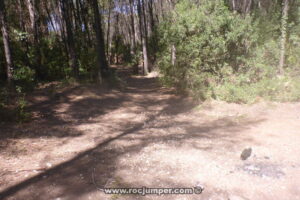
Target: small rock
x: 246, y: 153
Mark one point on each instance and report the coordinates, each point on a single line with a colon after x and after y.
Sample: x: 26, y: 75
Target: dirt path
x: 144, y: 135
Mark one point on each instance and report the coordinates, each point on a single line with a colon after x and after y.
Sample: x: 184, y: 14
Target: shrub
x: 227, y: 56
x: 25, y: 77
x: 208, y: 38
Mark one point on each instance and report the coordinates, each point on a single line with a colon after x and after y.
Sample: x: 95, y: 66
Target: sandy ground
x: 84, y: 138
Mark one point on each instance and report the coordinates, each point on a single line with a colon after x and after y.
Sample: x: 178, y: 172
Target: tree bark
x: 100, y: 48
x: 173, y: 55
x: 84, y: 14
x: 143, y: 30
x: 108, y: 29
x: 284, y: 19
x: 31, y: 4
x: 6, y: 42
x: 70, y: 38
x: 33, y: 14
x: 152, y: 22
x: 77, y: 14
x: 23, y: 28
x: 116, y: 39
x: 133, y: 45
x: 247, y: 7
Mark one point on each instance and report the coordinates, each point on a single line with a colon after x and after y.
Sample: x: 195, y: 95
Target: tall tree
x: 284, y: 19
x: 143, y: 32
x: 102, y: 64
x: 32, y: 6
x: 84, y: 13
x: 108, y: 27
x: 65, y: 5
x: 6, y: 42
x: 132, y: 24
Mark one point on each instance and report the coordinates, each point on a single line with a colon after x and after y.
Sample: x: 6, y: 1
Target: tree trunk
x: 6, y: 42
x: 32, y: 8
x: 284, y: 19
x: 84, y: 14
x: 145, y: 52
x: 162, y: 9
x: 108, y: 29
x: 145, y: 43
x: 233, y: 5
x: 152, y: 22
x: 23, y: 28
x: 133, y: 45
x: 247, y: 7
x: 100, y: 48
x: 173, y: 55
x: 62, y: 30
x: 78, y: 19
x: 31, y: 4
x: 116, y: 39
x: 143, y: 30
x: 70, y: 38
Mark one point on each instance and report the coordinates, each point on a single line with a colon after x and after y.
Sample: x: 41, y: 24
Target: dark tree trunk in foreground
x: 6, y: 42
x: 102, y: 64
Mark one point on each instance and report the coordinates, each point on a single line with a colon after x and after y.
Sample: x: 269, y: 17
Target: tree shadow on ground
x: 73, y: 179
x: 65, y: 179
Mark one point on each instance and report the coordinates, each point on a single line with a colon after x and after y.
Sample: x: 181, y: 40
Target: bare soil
x: 85, y: 137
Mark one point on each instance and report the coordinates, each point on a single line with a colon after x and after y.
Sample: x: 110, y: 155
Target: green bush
x: 208, y: 38
x: 22, y: 115
x: 224, y: 55
x: 25, y: 77
x: 273, y: 89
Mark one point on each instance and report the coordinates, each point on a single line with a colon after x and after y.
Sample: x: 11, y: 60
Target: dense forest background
x: 232, y: 50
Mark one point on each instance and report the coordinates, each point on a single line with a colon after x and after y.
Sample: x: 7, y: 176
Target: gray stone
x: 246, y: 153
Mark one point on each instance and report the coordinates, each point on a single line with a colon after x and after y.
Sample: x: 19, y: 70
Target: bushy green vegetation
x: 13, y: 106
x: 228, y: 56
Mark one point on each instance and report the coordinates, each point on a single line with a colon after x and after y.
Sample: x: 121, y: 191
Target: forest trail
x: 83, y: 138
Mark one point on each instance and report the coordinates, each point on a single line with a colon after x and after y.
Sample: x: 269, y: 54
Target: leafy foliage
x: 208, y: 39
x: 224, y: 55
